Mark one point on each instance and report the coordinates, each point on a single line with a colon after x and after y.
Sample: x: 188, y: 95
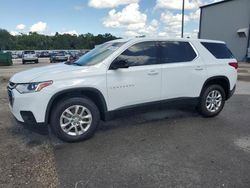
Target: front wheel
x: 75, y: 119
x: 212, y: 101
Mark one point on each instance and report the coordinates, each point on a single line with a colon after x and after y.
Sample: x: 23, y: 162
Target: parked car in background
x: 38, y: 53
x: 29, y: 56
x: 14, y: 55
x: 20, y: 54
x: 74, y: 56
x: 67, y: 54
x: 58, y: 57
x: 121, y: 75
x: 44, y: 54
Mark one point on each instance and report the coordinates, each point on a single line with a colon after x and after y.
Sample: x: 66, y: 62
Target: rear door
x: 183, y: 71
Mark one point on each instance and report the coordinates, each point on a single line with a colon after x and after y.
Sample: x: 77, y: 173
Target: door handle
x: 198, y: 68
x: 152, y: 73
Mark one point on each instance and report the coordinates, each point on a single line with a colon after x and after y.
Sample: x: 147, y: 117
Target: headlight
x: 32, y: 87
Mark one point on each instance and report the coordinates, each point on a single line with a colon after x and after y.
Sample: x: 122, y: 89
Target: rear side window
x: 219, y: 50
x: 143, y: 53
x: 174, y: 52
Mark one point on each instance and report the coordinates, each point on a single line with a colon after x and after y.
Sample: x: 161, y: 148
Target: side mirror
x: 119, y: 64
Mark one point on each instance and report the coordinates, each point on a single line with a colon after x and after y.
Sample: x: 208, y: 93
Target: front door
x: 140, y: 82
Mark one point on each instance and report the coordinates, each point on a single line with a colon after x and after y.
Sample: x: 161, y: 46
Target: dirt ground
x: 26, y: 158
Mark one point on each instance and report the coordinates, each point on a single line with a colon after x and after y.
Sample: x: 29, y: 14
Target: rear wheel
x: 23, y: 62
x: 75, y: 119
x: 212, y: 101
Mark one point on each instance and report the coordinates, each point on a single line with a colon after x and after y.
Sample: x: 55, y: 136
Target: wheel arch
x: 92, y: 93
x: 223, y: 81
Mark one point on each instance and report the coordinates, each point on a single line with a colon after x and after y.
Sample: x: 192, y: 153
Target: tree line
x: 35, y: 41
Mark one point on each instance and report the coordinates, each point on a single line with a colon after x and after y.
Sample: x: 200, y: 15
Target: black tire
x: 36, y: 61
x: 63, y: 105
x: 24, y: 62
x: 202, y: 106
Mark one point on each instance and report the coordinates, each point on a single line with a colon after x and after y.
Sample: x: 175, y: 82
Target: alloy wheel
x: 75, y: 120
x: 213, y: 101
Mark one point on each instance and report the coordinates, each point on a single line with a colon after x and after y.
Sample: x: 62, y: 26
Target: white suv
x: 29, y: 56
x: 121, y: 75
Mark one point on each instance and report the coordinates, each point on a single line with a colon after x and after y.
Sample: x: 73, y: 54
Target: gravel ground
x: 26, y: 157
x: 168, y: 148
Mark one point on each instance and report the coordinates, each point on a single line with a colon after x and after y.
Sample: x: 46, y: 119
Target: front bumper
x: 29, y: 108
x: 30, y: 59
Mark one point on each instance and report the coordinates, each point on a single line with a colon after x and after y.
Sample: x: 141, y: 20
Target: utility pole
x: 182, y: 20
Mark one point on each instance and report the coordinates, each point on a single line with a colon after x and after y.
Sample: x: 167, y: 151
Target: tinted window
x: 29, y: 52
x: 143, y: 53
x: 173, y: 52
x: 219, y: 50
x: 60, y: 53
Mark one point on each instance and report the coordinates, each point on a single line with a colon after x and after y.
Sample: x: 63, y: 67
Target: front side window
x: 143, y: 53
x: 174, y: 52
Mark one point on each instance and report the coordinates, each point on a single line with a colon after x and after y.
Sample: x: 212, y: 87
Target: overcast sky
x: 124, y: 18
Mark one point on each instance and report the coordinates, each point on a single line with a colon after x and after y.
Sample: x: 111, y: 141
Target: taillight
x: 234, y: 64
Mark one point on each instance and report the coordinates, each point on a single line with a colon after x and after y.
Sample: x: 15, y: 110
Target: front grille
x: 10, y: 87
x: 11, y: 98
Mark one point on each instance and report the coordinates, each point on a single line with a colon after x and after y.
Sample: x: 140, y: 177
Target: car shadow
x: 161, y: 114
x: 124, y: 120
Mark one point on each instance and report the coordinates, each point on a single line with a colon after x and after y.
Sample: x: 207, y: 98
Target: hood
x: 50, y: 70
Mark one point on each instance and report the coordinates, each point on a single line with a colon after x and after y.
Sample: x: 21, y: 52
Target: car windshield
x: 29, y: 52
x: 98, y: 54
x: 60, y: 53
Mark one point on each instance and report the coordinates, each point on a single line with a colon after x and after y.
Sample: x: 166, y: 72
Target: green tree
x: 35, y: 41
x: 6, y: 40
